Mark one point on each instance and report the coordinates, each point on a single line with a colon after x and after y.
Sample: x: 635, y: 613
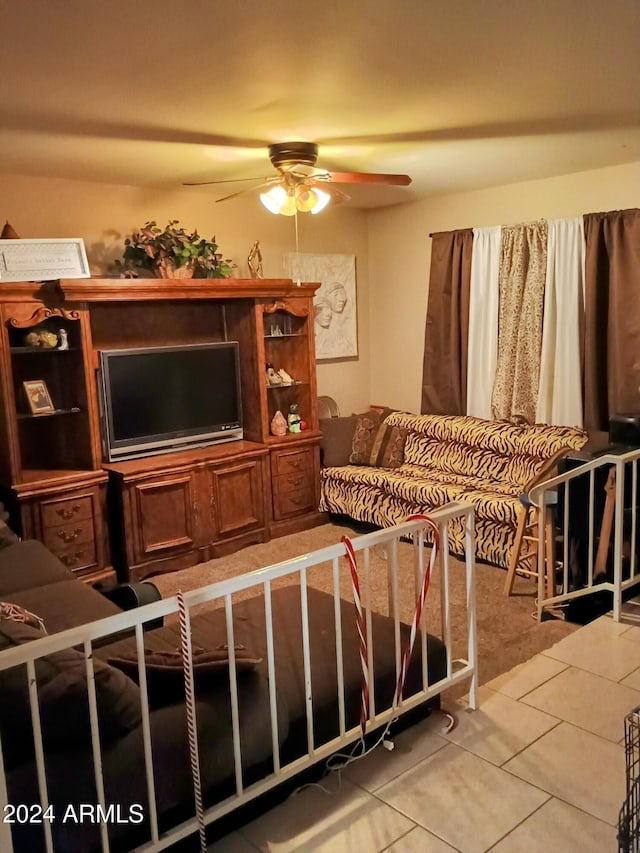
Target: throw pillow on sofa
x: 337, y: 440
x: 364, y: 436
x: 63, y: 699
x: 388, y: 446
x: 377, y: 443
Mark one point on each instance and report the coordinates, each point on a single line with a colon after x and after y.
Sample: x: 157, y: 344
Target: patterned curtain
x: 523, y: 265
x: 444, y: 375
x: 612, y: 316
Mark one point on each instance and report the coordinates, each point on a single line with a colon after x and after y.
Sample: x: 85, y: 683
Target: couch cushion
x: 66, y: 604
x: 510, y: 454
x: 27, y: 565
x: 63, y: 698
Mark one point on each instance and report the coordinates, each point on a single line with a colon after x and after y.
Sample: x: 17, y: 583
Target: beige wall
x: 400, y: 253
x: 391, y: 246
x: 103, y: 214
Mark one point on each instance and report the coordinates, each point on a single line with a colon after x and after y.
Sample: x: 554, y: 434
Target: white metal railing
x: 596, y: 528
x: 391, y: 543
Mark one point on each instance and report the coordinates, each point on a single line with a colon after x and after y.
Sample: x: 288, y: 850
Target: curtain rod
x: 452, y: 231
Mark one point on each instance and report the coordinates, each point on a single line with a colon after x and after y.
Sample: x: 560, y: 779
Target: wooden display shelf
x: 173, y: 509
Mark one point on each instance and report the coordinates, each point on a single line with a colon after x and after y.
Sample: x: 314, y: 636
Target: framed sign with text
x: 43, y: 260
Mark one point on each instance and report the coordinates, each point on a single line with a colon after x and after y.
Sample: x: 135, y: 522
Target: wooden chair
x: 525, y: 553
x: 524, y: 556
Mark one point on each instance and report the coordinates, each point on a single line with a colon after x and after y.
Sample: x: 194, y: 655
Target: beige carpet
x: 507, y: 630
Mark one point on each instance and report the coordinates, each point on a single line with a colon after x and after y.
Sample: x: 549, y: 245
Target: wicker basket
x: 167, y: 269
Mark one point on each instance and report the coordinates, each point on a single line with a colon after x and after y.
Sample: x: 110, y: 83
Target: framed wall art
x: 335, y: 308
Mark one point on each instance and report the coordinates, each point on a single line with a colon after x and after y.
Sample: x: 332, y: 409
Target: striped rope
x: 187, y: 665
x: 362, y: 633
x: 361, y: 626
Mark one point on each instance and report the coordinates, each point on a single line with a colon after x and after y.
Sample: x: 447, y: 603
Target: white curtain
x: 560, y: 388
x: 483, y: 320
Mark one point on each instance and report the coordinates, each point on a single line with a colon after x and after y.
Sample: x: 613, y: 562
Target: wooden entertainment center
x: 130, y: 519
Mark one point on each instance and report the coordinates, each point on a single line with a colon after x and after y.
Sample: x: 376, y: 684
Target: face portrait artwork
x: 323, y: 312
x: 337, y: 296
x: 335, y: 308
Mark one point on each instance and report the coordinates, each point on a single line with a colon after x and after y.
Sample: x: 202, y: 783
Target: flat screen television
x: 157, y: 399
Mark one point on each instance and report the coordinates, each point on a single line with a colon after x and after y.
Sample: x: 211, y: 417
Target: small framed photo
x: 38, y: 397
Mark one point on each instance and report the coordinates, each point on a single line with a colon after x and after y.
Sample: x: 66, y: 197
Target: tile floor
x: 538, y: 766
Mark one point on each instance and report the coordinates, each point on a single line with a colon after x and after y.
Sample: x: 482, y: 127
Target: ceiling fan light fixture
x: 285, y: 200
x: 322, y: 200
x: 275, y: 198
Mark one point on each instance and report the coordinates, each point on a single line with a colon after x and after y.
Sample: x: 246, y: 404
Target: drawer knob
x: 295, y: 463
x: 295, y: 481
x: 65, y: 512
x: 70, y: 560
x: 68, y: 536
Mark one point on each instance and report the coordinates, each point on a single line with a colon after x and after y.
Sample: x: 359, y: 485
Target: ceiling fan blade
x: 369, y: 178
x: 337, y: 196
x: 223, y: 181
x: 248, y: 190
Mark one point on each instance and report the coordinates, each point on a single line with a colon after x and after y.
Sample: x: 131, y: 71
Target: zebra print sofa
x: 452, y: 458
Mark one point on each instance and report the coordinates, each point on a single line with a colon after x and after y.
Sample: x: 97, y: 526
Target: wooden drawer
x: 290, y: 503
x: 77, y: 556
x: 285, y: 462
x: 65, y: 510
x: 292, y: 482
x: 60, y: 536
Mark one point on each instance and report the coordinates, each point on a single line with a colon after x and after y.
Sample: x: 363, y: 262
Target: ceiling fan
x: 299, y: 185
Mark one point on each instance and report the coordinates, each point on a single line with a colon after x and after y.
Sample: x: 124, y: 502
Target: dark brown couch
x: 33, y: 578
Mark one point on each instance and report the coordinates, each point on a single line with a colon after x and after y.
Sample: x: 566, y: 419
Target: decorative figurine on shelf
x: 284, y: 377
x: 293, y: 418
x: 273, y: 377
x: 254, y: 261
x: 64, y: 339
x: 278, y: 424
x: 41, y: 338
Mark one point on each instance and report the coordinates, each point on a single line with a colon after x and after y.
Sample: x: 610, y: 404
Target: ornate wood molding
x: 40, y: 314
x: 283, y: 305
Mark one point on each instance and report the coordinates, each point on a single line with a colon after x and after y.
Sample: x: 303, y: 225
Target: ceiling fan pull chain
x: 295, y: 219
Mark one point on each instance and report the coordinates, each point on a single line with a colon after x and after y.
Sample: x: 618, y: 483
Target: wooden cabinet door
x: 236, y: 498
x: 163, y: 513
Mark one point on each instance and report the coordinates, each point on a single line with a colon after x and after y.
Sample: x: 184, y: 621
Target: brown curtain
x: 612, y: 316
x: 444, y: 375
x: 523, y: 267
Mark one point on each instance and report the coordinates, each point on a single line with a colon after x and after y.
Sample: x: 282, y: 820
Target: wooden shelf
x: 292, y: 335
x: 284, y: 385
x: 40, y: 350
x: 28, y: 416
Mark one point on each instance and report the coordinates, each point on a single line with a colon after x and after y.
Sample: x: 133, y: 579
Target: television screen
x: 156, y: 399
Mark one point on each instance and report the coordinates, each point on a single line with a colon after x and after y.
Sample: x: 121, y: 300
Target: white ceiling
x: 459, y: 94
